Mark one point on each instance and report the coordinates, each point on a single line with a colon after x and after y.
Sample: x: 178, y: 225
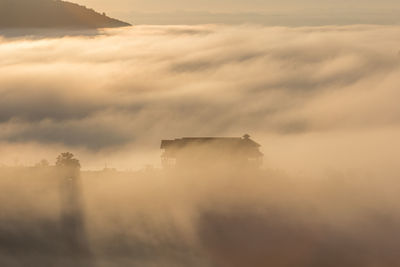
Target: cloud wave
x: 135, y: 86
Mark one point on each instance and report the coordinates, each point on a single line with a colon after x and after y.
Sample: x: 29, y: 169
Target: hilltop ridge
x: 52, y: 14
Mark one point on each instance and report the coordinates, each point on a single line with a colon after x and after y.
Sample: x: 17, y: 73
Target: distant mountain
x: 52, y: 14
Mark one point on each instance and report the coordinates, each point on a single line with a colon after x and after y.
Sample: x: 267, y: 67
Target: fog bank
x: 312, y: 96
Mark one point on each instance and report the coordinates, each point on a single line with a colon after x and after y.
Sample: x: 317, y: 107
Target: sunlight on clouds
x: 123, y: 90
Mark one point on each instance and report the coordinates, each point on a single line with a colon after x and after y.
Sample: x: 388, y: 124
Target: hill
x: 52, y: 14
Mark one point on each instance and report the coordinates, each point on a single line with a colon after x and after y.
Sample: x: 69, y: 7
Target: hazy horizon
x: 273, y: 12
x: 268, y: 13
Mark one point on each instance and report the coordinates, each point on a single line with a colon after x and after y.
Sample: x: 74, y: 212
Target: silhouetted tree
x: 75, y: 244
x: 67, y: 160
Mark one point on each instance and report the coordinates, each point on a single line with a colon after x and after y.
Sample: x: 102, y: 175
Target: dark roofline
x: 246, y: 138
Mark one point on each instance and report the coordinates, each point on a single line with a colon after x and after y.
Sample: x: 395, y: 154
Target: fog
x: 322, y: 102
x: 321, y: 97
x: 197, y: 217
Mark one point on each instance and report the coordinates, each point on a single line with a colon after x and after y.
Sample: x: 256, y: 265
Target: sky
x: 284, y: 12
x: 239, y: 5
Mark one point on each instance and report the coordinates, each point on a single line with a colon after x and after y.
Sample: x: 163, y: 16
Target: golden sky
x: 272, y: 12
x: 238, y: 5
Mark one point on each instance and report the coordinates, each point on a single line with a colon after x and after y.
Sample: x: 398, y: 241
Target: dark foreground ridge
x: 52, y: 14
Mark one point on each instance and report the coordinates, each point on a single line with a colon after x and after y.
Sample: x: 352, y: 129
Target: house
x: 200, y: 152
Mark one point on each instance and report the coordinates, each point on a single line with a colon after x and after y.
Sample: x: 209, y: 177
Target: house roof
x: 229, y: 143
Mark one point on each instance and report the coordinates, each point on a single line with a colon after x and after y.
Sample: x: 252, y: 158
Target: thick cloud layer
x: 122, y: 91
x: 321, y: 100
x: 196, y: 217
